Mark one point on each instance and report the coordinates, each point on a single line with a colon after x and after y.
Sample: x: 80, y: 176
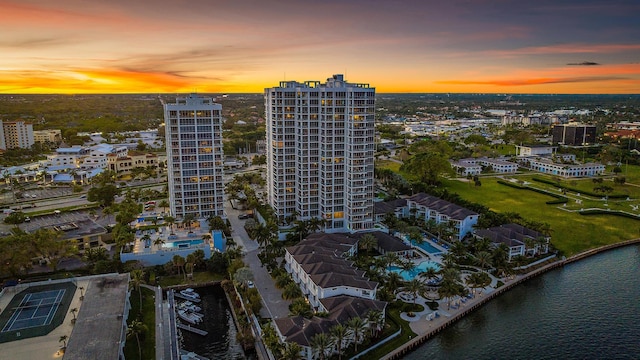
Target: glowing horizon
x: 245, y: 46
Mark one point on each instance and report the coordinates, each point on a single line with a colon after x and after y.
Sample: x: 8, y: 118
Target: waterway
x: 589, y: 309
x: 221, y: 341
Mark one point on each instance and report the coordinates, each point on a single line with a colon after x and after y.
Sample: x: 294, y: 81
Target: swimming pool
x: 182, y: 243
x: 426, y: 246
x: 420, y: 268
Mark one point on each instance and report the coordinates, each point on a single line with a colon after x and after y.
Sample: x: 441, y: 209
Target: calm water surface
x: 221, y: 342
x: 587, y: 310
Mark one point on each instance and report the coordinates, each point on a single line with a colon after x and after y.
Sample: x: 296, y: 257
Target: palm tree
x: 164, y: 204
x: 339, y: 333
x: 414, y: 287
x: 136, y: 328
x: 451, y: 273
x: 206, y: 238
x: 394, y: 280
x: 159, y: 241
x: 391, y: 258
x: 170, y: 220
x: 429, y: 273
x: 73, y: 312
x: 314, y: 224
x: 63, y: 339
x: 321, y: 344
x: 368, y: 242
x: 376, y: 321
x: 407, y: 266
x: 137, y: 278
x: 81, y: 288
x: 357, y: 326
x: 188, y: 220
x: 178, y: 261
x: 459, y: 250
x: 291, y: 351
x: 447, y: 290
x: 300, y: 307
x: 191, y: 262
x: 262, y: 235
x: 483, y: 258
x: 291, y: 291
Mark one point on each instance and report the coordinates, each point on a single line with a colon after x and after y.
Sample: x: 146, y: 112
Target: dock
x: 180, y: 296
x: 192, y: 329
x: 191, y: 355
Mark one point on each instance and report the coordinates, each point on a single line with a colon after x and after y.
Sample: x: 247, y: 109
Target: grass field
x: 572, y: 232
x: 148, y: 317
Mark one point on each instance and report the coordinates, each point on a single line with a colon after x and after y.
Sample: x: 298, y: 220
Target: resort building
x: 320, y: 150
x: 16, y: 135
x: 574, y: 134
x: 193, y: 128
x: 548, y: 166
x: 341, y: 309
x: 519, y: 239
x: 470, y: 166
x: 430, y: 208
x: 318, y: 265
x: 464, y: 168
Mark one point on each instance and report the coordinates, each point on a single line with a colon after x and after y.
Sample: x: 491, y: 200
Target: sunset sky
x: 227, y: 46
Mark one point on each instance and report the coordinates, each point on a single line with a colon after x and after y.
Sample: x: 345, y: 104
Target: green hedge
x: 559, y: 198
x: 585, y: 192
x: 609, y: 212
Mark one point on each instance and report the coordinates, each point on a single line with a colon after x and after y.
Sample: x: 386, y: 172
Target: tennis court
x: 35, y: 309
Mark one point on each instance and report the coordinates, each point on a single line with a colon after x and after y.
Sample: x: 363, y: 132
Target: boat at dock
x: 189, y: 317
x: 190, y: 355
x: 190, y: 294
x: 188, y: 305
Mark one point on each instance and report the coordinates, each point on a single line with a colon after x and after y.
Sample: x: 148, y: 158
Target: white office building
x: 193, y: 127
x: 320, y: 145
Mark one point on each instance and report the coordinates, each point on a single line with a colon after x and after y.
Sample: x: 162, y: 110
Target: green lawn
x: 393, y: 315
x: 148, y: 315
x: 198, y: 277
x: 388, y: 164
x: 572, y: 232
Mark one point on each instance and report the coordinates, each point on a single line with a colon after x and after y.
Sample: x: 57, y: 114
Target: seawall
x: 416, y: 342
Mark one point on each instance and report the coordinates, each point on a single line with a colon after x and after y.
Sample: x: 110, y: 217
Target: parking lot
x: 49, y: 220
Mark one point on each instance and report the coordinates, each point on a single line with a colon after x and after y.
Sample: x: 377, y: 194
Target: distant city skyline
x: 488, y: 46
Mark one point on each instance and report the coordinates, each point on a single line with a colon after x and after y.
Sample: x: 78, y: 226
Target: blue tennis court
x: 35, y: 309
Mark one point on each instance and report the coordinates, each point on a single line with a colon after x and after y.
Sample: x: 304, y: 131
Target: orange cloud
x: 96, y: 81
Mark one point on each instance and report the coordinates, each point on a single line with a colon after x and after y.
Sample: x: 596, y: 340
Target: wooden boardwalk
x: 192, y: 329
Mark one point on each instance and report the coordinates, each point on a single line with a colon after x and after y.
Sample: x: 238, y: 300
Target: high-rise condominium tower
x: 320, y: 145
x: 193, y: 127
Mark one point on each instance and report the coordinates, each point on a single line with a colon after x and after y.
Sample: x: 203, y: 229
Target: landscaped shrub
x: 608, y: 212
x: 585, y: 192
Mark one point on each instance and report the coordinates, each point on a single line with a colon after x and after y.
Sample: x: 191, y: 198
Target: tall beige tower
x: 320, y: 147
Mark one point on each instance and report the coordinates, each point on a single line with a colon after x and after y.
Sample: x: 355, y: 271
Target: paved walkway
x: 427, y: 320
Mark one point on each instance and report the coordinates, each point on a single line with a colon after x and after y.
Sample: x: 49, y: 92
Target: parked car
x: 244, y: 216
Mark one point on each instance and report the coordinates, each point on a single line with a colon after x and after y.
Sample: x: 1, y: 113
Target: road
x: 275, y: 306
